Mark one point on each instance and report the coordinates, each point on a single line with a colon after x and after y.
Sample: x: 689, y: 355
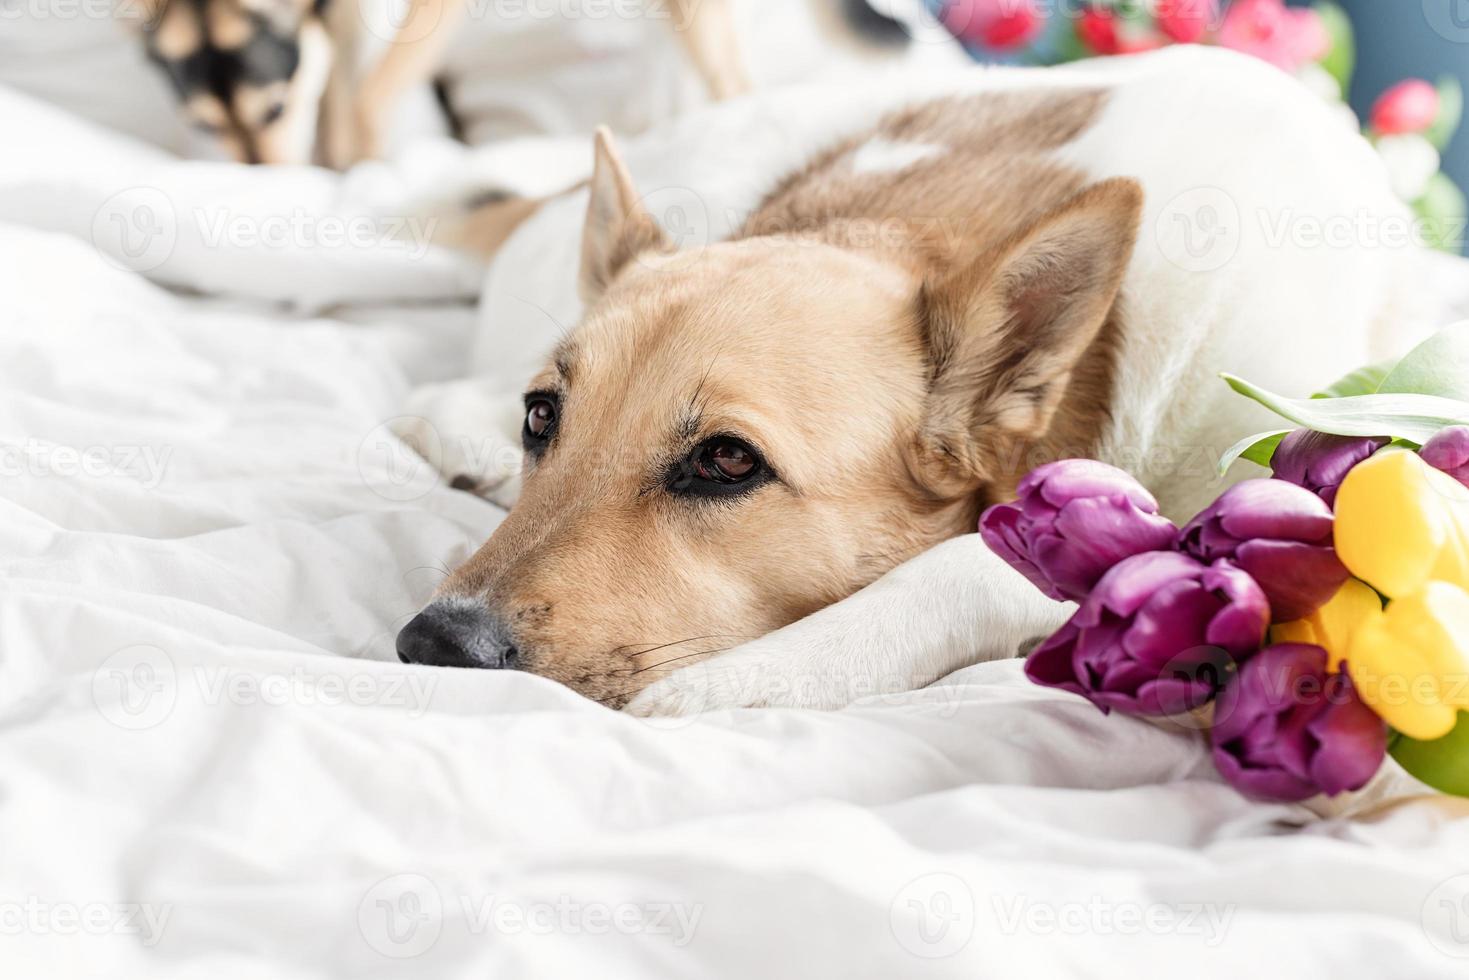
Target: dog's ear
x: 1006, y: 332
x: 618, y: 227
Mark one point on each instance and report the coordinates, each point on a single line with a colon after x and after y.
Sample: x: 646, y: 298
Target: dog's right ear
x: 618, y: 227
x: 1006, y: 334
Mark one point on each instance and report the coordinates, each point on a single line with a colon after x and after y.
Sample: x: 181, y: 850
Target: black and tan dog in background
x: 280, y: 81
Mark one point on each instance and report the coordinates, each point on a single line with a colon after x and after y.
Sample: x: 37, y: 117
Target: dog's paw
x: 461, y: 428
x: 749, y: 677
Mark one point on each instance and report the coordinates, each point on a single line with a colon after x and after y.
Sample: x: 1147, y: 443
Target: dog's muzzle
x: 457, y: 633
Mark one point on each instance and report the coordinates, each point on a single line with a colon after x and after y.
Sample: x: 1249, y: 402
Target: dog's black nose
x: 457, y: 633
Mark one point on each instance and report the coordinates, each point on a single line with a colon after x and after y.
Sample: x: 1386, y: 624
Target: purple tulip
x: 1285, y: 729
x: 1279, y: 533
x: 1449, y: 451
x: 1319, y: 462
x: 1156, y: 636
x: 1073, y: 521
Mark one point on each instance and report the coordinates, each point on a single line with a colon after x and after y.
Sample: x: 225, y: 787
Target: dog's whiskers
x: 438, y: 566
x: 627, y: 694
x: 674, y: 660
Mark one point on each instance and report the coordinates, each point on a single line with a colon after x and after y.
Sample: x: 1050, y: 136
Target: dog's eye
x: 726, y: 461
x: 540, y: 420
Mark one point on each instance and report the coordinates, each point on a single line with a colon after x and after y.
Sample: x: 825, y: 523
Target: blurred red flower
x: 997, y: 24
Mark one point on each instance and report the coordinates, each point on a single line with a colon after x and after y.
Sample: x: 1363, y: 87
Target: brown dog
x: 741, y: 434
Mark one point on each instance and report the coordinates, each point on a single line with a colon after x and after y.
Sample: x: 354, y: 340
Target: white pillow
x: 77, y: 55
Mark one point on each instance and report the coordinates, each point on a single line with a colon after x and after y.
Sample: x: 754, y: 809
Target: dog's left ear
x: 1006, y: 332
x: 619, y: 227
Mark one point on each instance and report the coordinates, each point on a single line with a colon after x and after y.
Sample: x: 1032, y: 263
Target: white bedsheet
x: 211, y: 763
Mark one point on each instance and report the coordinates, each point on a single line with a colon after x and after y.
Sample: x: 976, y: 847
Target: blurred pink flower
x: 1186, y: 21
x: 1407, y: 107
x: 997, y: 24
x: 1284, y: 36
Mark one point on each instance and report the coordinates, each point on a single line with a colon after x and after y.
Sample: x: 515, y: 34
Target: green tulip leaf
x: 1258, y: 449
x: 1438, y: 366
x: 1413, y: 417
x: 1363, y: 381
x: 1442, y: 763
x: 1341, y: 59
x: 1450, y: 113
x: 1441, y: 214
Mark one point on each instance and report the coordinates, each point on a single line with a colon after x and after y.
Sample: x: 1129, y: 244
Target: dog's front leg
x: 955, y: 605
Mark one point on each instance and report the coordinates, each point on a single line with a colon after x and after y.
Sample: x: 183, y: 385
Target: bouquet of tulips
x: 1322, y: 613
x: 1410, y: 124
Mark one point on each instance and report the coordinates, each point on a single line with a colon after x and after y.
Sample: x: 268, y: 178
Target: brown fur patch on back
x: 992, y: 177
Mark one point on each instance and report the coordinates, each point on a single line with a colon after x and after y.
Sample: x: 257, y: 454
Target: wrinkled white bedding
x: 211, y: 763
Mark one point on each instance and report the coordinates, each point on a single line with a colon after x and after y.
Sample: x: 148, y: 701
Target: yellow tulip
x: 1331, y: 627
x: 1401, y: 524
x: 1410, y: 662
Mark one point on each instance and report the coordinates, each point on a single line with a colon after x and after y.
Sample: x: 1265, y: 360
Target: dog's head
x: 248, y: 72
x: 741, y: 434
